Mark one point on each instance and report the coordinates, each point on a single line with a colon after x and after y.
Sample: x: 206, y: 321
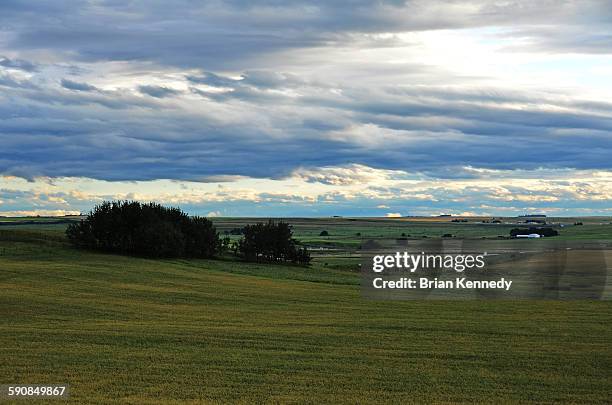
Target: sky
x: 307, y: 108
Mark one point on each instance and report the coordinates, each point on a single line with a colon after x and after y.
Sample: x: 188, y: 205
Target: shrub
x: 271, y: 242
x: 324, y: 233
x: 151, y: 230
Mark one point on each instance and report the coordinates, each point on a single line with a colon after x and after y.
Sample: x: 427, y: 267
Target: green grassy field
x: 130, y: 330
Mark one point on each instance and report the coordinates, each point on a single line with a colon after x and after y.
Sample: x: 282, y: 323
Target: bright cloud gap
x: 353, y: 190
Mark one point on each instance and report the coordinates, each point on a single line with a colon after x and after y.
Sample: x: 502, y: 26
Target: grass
x: 131, y: 330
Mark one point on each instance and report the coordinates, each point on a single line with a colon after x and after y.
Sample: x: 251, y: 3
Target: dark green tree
x: 271, y: 242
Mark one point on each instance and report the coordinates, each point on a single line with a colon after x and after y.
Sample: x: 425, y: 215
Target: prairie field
x: 130, y: 330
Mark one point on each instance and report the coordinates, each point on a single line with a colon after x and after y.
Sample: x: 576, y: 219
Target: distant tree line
x: 151, y: 230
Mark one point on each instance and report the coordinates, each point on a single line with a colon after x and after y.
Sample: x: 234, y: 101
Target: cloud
x: 393, y: 215
x: 236, y: 35
x: 19, y: 64
x: 158, y: 91
x: 8, y: 80
x: 567, y: 192
x: 213, y: 80
x: 268, y: 133
x: 345, y: 176
x: 70, y: 85
x: 572, y: 39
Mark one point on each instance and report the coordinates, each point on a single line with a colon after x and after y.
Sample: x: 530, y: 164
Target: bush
x: 271, y: 242
x: 129, y: 227
x: 324, y: 233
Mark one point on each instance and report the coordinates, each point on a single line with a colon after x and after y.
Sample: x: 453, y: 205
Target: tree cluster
x: 150, y: 230
x: 271, y: 242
